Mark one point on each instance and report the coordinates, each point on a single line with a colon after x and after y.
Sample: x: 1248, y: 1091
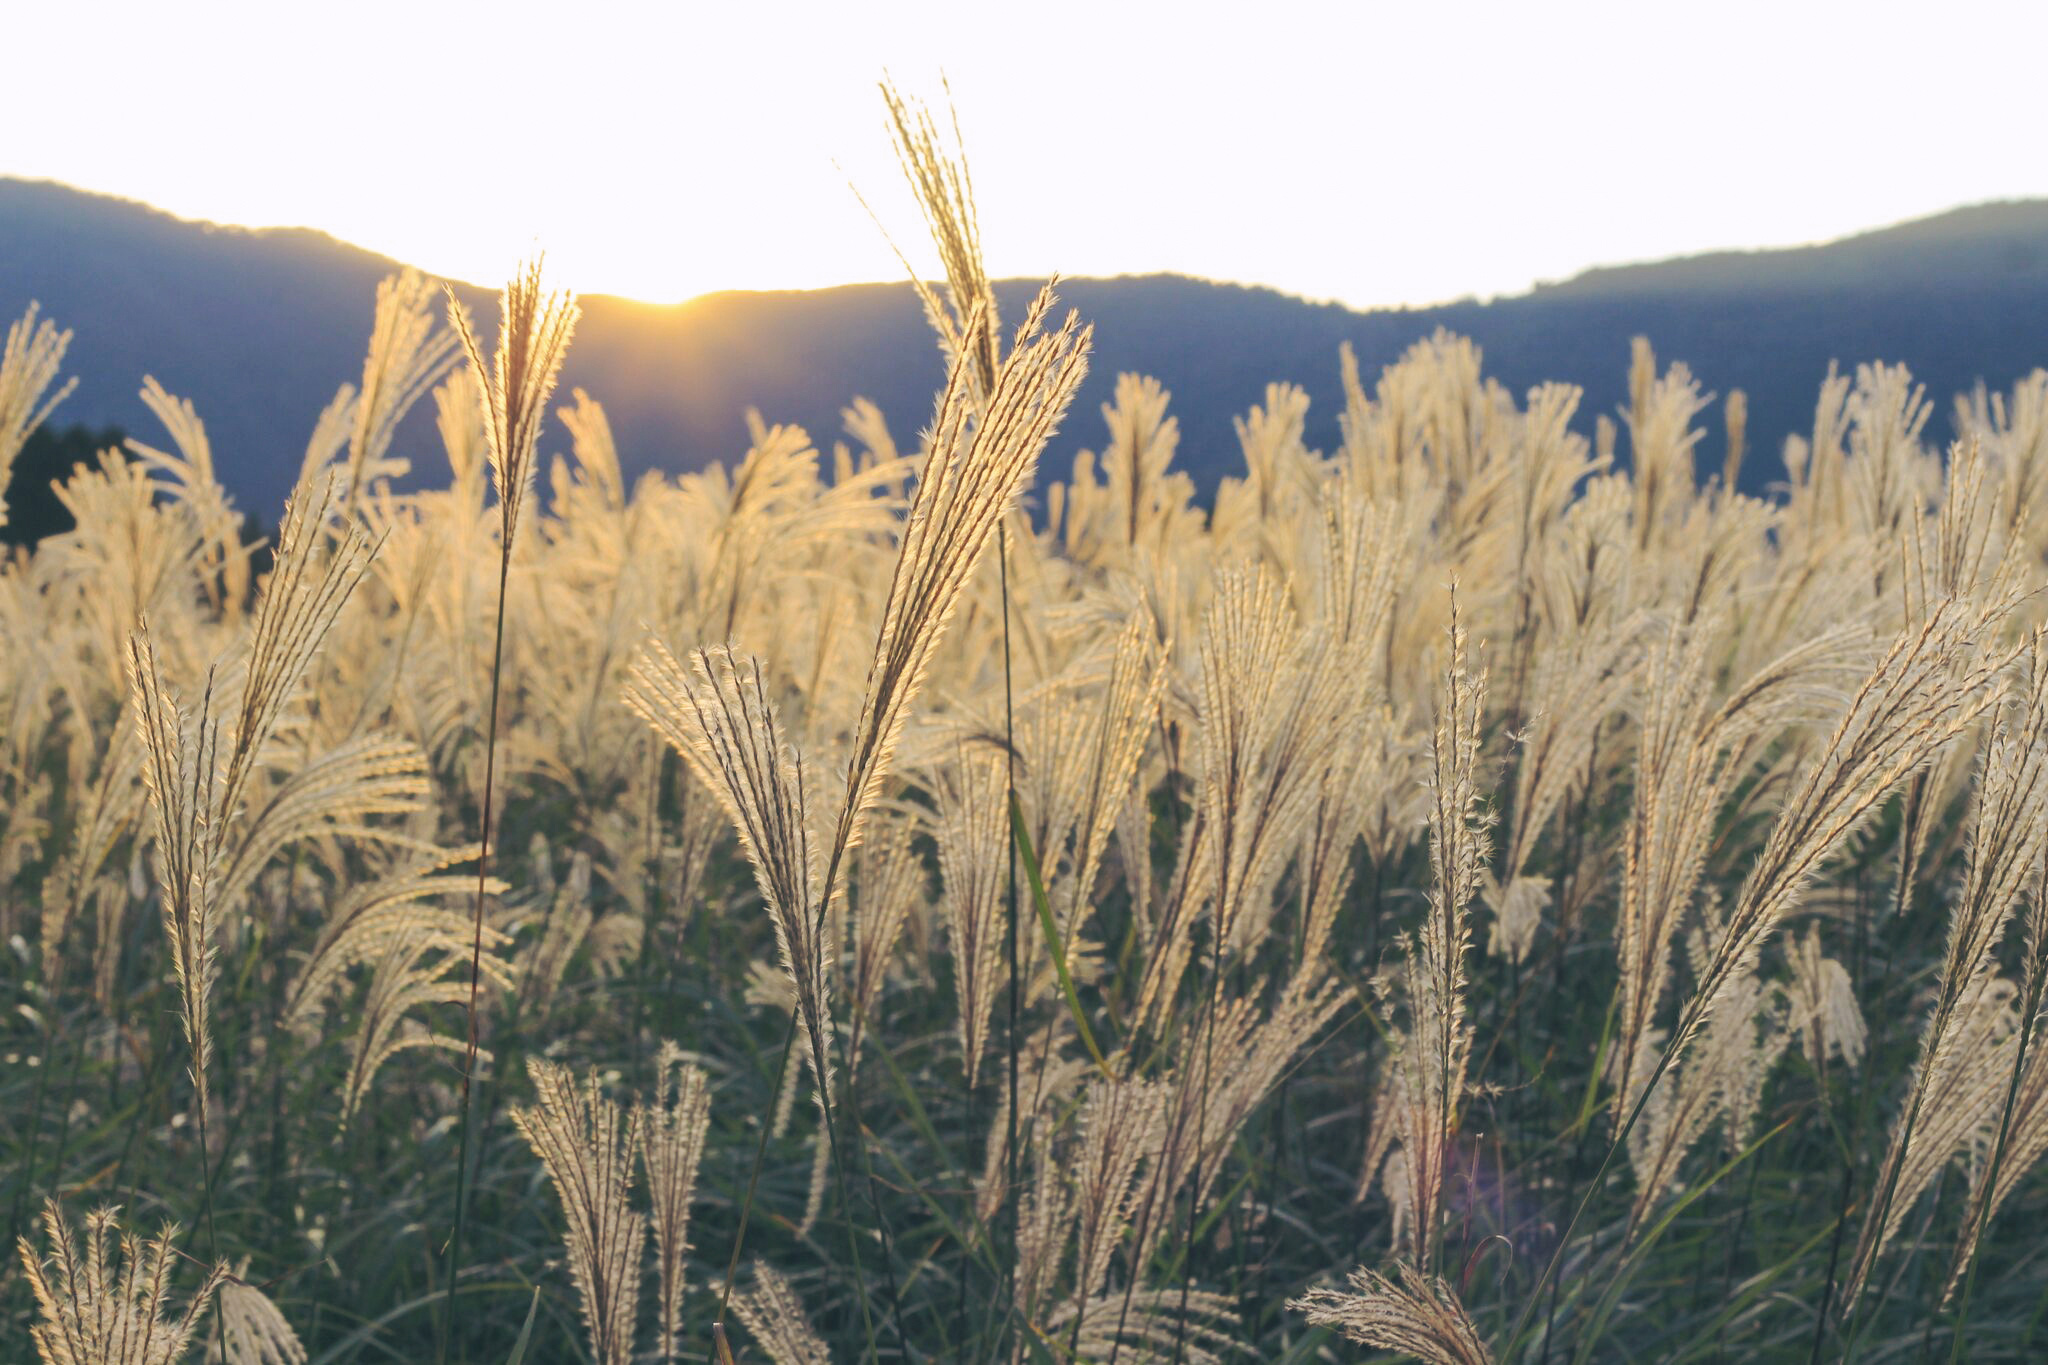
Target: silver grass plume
x: 1150, y: 1327
x: 1094, y: 790
x: 1677, y: 797
x: 2025, y: 1143
x: 407, y: 356
x: 1433, y: 1050
x: 1171, y: 941
x: 1580, y: 677
x: 1045, y: 1217
x: 92, y: 1312
x: 28, y: 366
x: 2019, y: 1139
x: 672, y: 1136
x: 2008, y: 833
x: 534, y: 327
x: 301, y: 601
x: 331, y: 794
x: 587, y: 1143
x: 597, y: 453
x: 973, y: 833
x: 187, y: 475
x: 970, y: 480
x: 1966, y: 552
x: 110, y: 810
x: 775, y: 1315
x: 1360, y: 545
x: 252, y: 1330
x: 945, y: 193
x: 890, y: 880
x: 459, y: 416
x: 367, y: 918
x: 1689, y: 753
x: 1822, y: 1011
x: 1932, y: 685
x: 1720, y: 1081
x: 1058, y: 1077
x: 408, y: 979
x: 1959, y: 1090
x: 1263, y: 719
x: 194, y: 789
x: 718, y: 716
x: 179, y: 778
x: 1416, y: 1314
x: 1244, y: 1058
x: 1122, y: 1127
x: 1661, y: 440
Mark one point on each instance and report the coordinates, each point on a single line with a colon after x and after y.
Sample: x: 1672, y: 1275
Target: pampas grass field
x: 1488, y: 892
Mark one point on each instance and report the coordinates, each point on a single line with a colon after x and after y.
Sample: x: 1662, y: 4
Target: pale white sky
x: 1371, y: 153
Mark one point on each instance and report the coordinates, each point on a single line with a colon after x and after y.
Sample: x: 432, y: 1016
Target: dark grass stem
x: 1980, y: 1214
x: 1827, y: 1297
x: 739, y: 1237
x: 1180, y: 1325
x: 1009, y: 942
x: 27, y: 1179
x: 476, y: 953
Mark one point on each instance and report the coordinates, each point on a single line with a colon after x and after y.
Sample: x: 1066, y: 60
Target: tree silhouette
x: 51, y: 456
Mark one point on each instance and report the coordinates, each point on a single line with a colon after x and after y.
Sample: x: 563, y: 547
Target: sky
x: 1374, y: 154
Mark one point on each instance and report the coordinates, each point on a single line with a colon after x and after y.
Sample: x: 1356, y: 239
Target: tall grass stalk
x: 1981, y: 1209
x: 534, y: 328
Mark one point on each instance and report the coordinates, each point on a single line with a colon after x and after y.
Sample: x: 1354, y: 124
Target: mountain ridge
x: 258, y: 326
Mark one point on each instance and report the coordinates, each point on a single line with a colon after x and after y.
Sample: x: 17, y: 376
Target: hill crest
x: 258, y: 326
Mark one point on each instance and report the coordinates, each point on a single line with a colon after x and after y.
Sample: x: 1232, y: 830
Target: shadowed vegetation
x: 1486, y: 892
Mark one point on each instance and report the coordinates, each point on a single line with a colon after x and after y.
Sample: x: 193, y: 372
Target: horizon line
x: 1330, y: 301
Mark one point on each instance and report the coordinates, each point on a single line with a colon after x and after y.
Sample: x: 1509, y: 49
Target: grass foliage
x: 1483, y: 893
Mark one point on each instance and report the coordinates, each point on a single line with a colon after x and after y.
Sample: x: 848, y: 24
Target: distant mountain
x: 258, y: 327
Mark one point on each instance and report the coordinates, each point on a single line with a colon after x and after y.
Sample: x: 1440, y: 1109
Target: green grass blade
x: 1632, y: 1261
x: 1052, y: 934
x: 525, y: 1333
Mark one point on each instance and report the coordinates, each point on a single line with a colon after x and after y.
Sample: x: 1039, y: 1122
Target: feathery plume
x: 718, y: 716
x: 890, y: 880
x: 252, y: 1330
x: 1267, y: 704
x: 1933, y: 684
x: 1122, y: 1126
x: 1579, y: 679
x: 775, y: 1315
x: 973, y: 833
x: 407, y: 356
x: 1418, y: 1315
x: 534, y: 327
x: 92, y: 1312
x: 195, y: 781
x: 460, y: 408
x: 672, y: 1135
x: 2009, y: 829
x: 1150, y: 1327
x: 1431, y: 1052
x: 411, y: 974
x: 945, y: 193
x: 28, y: 366
x: 179, y: 776
x: 969, y: 482
x: 1824, y: 1017
x: 587, y: 1144
x: 2025, y: 1138
x: 1720, y: 1079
